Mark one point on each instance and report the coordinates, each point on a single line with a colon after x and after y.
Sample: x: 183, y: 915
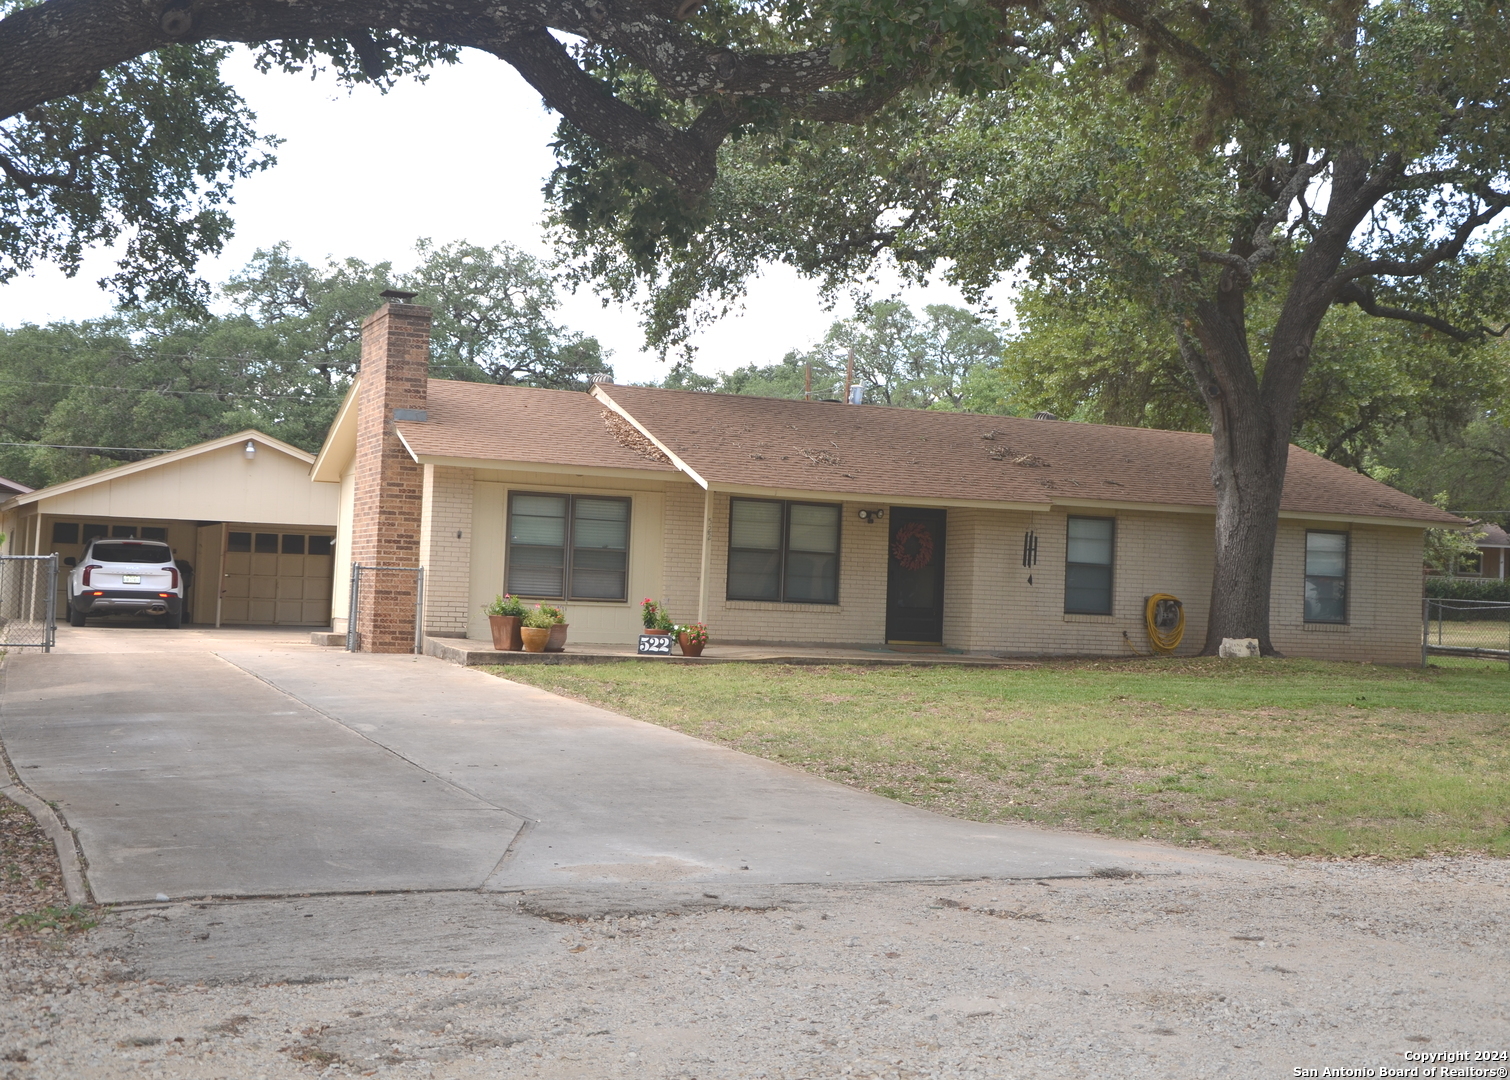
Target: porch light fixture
x: 250, y: 450
x: 870, y: 517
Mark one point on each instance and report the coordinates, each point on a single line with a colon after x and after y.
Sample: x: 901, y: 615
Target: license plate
x: 131, y: 579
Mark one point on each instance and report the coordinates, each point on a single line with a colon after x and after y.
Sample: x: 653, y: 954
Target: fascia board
x: 509, y: 465
x: 339, y: 440
x: 602, y: 395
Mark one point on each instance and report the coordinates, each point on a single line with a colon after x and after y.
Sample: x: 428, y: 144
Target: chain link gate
x: 28, y: 602
x: 371, y: 585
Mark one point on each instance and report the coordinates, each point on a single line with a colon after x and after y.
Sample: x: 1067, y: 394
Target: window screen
x: 568, y: 546
x: 1088, y: 566
x: 1326, y: 577
x: 783, y: 551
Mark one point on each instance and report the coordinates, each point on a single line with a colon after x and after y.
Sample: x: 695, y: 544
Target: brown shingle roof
x: 911, y: 453
x: 518, y: 423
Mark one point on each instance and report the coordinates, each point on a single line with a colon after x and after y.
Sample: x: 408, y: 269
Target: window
x: 123, y: 532
x: 65, y: 532
x: 91, y: 532
x: 573, y: 547
x: 783, y: 551
x: 266, y: 544
x: 238, y: 541
x: 320, y: 545
x: 154, y: 532
x: 1470, y: 564
x: 293, y: 543
x: 1326, y: 577
x: 1088, y: 566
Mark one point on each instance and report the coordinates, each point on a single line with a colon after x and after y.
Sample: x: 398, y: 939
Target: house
x: 242, y: 511
x: 815, y: 522
x: 1492, y: 557
x: 10, y: 487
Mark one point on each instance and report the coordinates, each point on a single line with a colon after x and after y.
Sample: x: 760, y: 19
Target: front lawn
x: 1280, y: 756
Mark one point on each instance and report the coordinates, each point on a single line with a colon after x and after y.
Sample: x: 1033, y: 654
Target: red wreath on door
x: 920, y: 555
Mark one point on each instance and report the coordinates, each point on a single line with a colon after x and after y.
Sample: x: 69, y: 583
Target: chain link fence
x: 28, y: 602
x: 1478, y: 629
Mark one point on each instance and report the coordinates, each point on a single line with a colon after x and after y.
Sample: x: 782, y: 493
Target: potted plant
x: 504, y: 615
x: 557, y: 641
x: 653, y: 615
x: 535, y: 629
x: 692, y: 638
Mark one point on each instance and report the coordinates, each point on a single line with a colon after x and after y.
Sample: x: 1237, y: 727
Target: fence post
x: 50, y: 631
x: 419, y: 609
x: 1425, y: 627
x: 351, y: 608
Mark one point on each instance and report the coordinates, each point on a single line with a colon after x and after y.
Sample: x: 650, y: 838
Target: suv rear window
x: 132, y: 553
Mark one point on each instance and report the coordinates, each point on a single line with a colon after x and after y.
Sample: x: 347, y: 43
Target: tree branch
x: 1354, y: 293
x: 1445, y: 251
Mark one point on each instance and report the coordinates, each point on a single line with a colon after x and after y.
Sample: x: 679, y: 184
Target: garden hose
x: 1164, y: 616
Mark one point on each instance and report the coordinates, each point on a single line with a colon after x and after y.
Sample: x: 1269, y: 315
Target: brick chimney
x: 389, y: 484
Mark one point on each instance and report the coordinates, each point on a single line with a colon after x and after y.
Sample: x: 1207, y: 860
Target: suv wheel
x: 173, y: 620
x: 75, y: 616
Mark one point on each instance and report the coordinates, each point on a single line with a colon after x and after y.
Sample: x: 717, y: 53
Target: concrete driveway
x: 234, y: 763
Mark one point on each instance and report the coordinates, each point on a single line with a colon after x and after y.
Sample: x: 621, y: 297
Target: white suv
x: 126, y: 576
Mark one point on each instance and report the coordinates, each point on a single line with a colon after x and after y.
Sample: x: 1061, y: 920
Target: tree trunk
x: 1250, y: 430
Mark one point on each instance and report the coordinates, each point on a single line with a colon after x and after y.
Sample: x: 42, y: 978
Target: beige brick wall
x: 446, y: 549
x: 591, y: 621
x: 682, y: 553
x: 1384, y: 596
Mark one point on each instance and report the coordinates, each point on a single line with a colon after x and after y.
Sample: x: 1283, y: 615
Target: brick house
x: 815, y: 522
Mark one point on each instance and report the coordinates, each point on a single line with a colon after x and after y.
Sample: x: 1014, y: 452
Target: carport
x: 257, y: 534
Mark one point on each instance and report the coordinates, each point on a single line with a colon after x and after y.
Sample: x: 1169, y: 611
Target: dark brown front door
x: 915, y: 576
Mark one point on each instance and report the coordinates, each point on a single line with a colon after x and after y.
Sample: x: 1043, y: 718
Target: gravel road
x: 1243, y: 974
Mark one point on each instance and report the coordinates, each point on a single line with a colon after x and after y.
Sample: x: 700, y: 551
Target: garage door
x: 278, y: 578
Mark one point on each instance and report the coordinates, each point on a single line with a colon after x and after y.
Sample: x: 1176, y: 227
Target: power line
x: 64, y: 446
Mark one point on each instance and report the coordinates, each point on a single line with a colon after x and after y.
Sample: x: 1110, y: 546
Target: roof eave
x: 606, y: 472
x: 340, y: 445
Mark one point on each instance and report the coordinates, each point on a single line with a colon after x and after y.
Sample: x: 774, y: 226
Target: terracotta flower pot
x: 535, y: 637
x: 557, y: 640
x: 690, y: 647
x: 505, y: 632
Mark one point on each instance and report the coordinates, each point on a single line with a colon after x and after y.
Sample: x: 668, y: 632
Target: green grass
x: 1472, y: 633
x: 1265, y: 756
x: 74, y: 918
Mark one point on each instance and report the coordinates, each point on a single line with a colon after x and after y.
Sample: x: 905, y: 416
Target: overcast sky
x: 462, y: 157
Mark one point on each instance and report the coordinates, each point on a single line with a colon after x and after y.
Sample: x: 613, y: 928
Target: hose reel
x: 1164, y: 617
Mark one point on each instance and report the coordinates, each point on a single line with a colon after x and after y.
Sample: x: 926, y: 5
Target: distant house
x: 1492, y: 556
x: 241, y: 511
x: 10, y: 487
x: 811, y: 522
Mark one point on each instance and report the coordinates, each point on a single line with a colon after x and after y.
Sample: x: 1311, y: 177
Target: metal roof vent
x: 398, y: 296
x: 1044, y: 416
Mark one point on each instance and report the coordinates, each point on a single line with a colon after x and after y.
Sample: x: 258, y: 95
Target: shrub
x: 538, y: 618
x: 1447, y: 588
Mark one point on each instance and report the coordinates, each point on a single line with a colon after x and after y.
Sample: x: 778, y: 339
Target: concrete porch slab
x: 472, y: 652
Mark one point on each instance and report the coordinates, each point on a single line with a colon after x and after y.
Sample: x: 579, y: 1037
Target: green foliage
x: 1450, y: 588
x: 279, y: 360
x: 506, y: 605
x: 144, y: 158
x: 540, y: 618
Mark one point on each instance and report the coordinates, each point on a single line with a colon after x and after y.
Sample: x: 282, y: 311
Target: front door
x: 915, y: 577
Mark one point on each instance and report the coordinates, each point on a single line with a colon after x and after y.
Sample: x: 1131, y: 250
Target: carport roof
x: 105, y: 476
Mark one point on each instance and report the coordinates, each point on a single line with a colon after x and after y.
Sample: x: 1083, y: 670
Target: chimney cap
x: 398, y: 296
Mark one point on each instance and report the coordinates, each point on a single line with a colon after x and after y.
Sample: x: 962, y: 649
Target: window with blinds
x: 783, y: 551
x: 1089, y: 546
x: 1326, y: 577
x: 568, y: 547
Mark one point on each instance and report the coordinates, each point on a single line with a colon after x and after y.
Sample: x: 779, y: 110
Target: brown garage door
x: 278, y: 578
